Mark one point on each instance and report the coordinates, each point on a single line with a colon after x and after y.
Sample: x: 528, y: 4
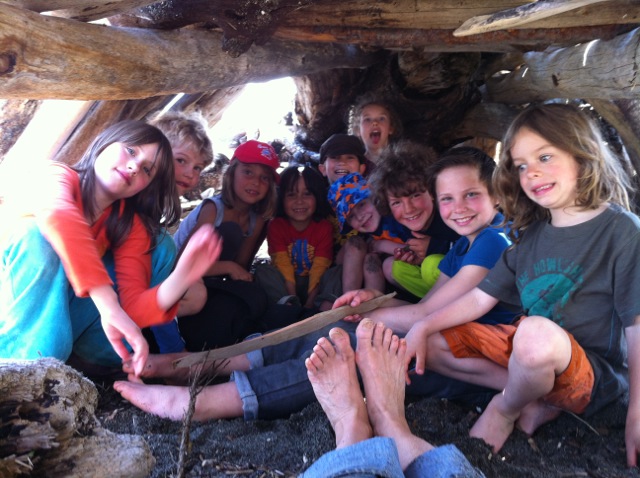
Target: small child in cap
x: 340, y: 155
x: 349, y: 196
x: 240, y: 214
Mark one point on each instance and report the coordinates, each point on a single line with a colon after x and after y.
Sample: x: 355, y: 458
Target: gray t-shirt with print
x: 586, y: 278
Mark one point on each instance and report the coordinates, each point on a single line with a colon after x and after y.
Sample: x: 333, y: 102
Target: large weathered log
x: 600, y: 69
x: 49, y: 428
x: 48, y: 57
x: 82, y: 10
x: 14, y: 117
x: 521, y: 15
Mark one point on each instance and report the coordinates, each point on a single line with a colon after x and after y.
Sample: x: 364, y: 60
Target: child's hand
x: 237, y: 272
x: 405, y: 254
x: 118, y: 326
x: 355, y: 298
x: 632, y: 437
x: 417, y: 346
x: 418, y: 246
x: 201, y: 252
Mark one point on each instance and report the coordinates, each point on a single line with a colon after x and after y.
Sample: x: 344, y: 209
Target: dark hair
x: 403, y: 169
x: 315, y: 183
x: 156, y: 203
x: 265, y: 207
x: 601, y: 178
x: 463, y: 156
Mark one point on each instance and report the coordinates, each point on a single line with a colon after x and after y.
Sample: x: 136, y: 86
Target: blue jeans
x: 40, y: 315
x: 277, y: 384
x: 378, y: 457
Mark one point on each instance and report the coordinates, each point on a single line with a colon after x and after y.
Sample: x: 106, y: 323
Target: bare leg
x: 380, y: 356
x: 161, y: 366
x: 373, y: 275
x: 332, y: 372
x: 214, y: 402
x: 541, y: 351
x: 353, y: 264
x: 478, y: 371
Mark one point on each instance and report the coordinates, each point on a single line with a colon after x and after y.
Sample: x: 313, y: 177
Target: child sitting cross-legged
x: 300, y: 239
x: 349, y: 197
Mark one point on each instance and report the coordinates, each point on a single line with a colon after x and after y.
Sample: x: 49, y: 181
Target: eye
x: 366, y: 120
x: 130, y: 150
x: 545, y: 158
x: 444, y: 199
x: 472, y: 194
x: 198, y: 169
x: 180, y: 160
x: 521, y: 168
x: 147, y: 170
x: 393, y: 202
x: 265, y: 179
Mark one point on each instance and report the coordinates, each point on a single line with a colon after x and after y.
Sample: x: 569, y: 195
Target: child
x: 192, y: 152
x: 340, y: 154
x: 272, y: 382
x: 300, y: 239
x: 573, y: 269
x: 229, y: 305
x: 191, y: 146
x: 112, y: 199
x: 400, y: 185
x: 374, y: 120
x: 349, y: 198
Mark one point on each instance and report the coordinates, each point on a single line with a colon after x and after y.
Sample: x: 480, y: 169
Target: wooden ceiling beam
x: 44, y: 57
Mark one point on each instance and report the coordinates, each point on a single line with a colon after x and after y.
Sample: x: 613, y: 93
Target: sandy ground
x: 568, y: 447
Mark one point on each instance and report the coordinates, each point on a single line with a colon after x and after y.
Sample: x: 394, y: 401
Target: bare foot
x: 380, y: 356
x: 380, y: 359
x: 331, y: 369
x: 161, y: 400
x: 493, y: 426
x: 535, y: 415
x: 162, y: 366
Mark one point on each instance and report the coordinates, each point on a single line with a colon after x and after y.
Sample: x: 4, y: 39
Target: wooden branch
x: 521, y: 15
x: 83, y: 10
x: 292, y: 331
x: 598, y: 69
x: 47, y: 57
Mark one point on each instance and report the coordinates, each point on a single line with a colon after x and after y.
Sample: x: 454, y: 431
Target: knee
x: 538, y: 342
x: 372, y: 264
x: 355, y: 245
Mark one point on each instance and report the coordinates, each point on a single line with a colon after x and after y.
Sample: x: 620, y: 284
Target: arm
x: 384, y: 246
x: 632, y: 427
x: 471, y: 306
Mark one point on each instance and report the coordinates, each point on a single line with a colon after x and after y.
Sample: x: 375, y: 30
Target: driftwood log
x: 48, y: 426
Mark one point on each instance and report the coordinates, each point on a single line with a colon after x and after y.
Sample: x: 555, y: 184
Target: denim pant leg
x: 277, y: 384
x: 34, y: 298
x: 442, y: 462
x: 376, y: 457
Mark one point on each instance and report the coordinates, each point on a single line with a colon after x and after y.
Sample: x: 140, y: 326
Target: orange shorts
x: 572, y: 388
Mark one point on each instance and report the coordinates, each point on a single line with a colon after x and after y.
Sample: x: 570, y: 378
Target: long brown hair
x: 157, y: 203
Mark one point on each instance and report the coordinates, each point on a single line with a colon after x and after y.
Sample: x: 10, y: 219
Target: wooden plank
x: 292, y: 331
x: 521, y: 15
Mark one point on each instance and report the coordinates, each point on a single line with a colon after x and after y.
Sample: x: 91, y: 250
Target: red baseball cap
x: 256, y: 152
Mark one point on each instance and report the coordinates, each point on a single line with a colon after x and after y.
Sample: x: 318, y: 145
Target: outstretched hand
x: 118, y: 326
x: 354, y: 298
x: 632, y: 438
x: 417, y: 347
x: 201, y: 252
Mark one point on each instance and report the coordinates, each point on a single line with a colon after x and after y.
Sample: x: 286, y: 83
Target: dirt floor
x: 568, y: 447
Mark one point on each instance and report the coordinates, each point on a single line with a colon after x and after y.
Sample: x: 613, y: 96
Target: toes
x: 365, y: 330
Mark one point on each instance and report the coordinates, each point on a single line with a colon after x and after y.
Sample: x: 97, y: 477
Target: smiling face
x: 548, y: 175
x: 122, y: 171
x: 251, y: 182
x: 188, y: 164
x: 364, y: 217
x: 414, y: 211
x: 464, y: 201
x: 299, y: 205
x: 336, y: 167
x: 375, y: 128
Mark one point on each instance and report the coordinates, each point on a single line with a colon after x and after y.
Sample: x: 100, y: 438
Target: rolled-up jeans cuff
x: 247, y: 395
x: 256, y: 359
